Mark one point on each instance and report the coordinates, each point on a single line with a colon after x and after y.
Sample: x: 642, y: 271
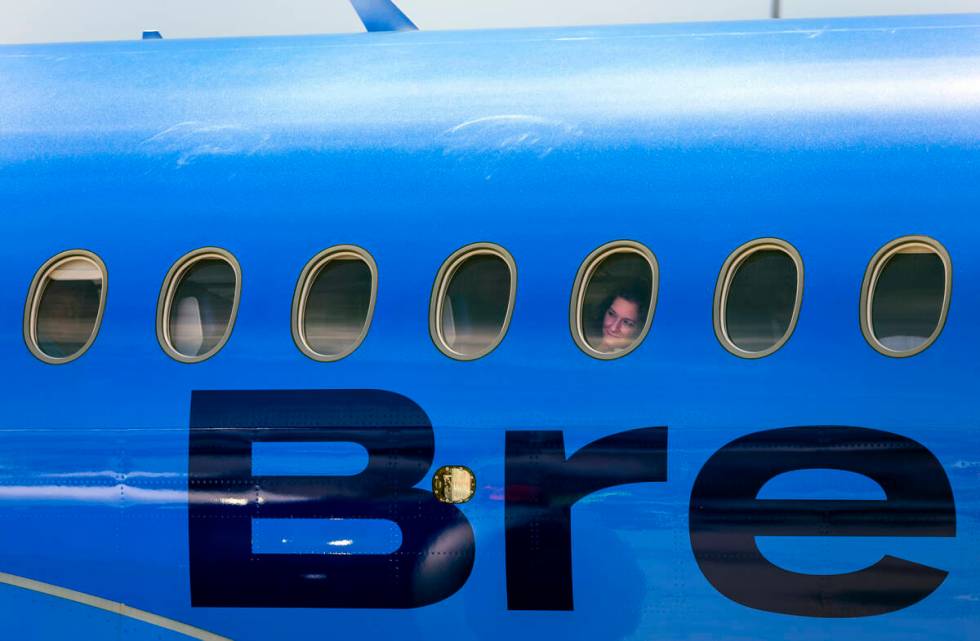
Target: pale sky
x: 81, y: 20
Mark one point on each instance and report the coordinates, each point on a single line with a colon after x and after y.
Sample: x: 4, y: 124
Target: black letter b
x: 436, y: 554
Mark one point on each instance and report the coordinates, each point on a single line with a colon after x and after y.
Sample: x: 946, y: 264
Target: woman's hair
x: 635, y: 295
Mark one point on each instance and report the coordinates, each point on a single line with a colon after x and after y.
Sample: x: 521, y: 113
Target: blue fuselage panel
x: 837, y: 136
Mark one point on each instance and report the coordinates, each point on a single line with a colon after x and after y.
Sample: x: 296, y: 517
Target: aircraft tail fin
x: 382, y: 15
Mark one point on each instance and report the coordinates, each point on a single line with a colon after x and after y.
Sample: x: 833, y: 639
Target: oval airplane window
x: 758, y: 297
x: 613, y: 299
x: 64, y: 306
x: 472, y: 301
x: 198, y: 304
x: 906, y: 295
x: 334, y: 302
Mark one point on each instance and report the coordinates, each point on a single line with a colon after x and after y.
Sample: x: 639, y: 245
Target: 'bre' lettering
x: 437, y: 550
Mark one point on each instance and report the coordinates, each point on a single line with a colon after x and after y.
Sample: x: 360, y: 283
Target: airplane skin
x: 127, y: 477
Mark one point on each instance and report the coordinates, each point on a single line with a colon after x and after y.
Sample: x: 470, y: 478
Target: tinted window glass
x: 68, y: 307
x: 337, y: 306
x: 201, y: 308
x: 907, y: 302
x: 616, y: 302
x: 475, y: 304
x: 761, y: 300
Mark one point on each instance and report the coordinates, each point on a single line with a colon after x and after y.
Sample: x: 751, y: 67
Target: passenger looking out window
x: 615, y: 301
x: 622, y: 317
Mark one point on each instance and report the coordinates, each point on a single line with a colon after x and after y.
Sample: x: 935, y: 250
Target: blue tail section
x: 382, y: 15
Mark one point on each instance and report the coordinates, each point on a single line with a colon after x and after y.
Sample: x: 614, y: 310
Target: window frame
x: 584, y: 276
x: 873, y: 273
x: 301, y: 294
x: 169, y: 289
x: 723, y: 287
x: 33, y: 303
x: 439, y: 288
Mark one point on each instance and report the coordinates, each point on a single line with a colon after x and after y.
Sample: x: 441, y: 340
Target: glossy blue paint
x: 382, y: 15
x: 836, y: 136
x: 308, y: 459
x: 324, y: 536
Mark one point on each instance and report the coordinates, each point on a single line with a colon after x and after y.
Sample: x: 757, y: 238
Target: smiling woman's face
x: 620, y: 324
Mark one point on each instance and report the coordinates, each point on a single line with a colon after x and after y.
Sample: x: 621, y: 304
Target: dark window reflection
x: 475, y: 305
x: 68, y: 308
x: 337, y: 306
x: 201, y: 308
x: 616, y: 302
x: 908, y: 299
x: 761, y: 298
